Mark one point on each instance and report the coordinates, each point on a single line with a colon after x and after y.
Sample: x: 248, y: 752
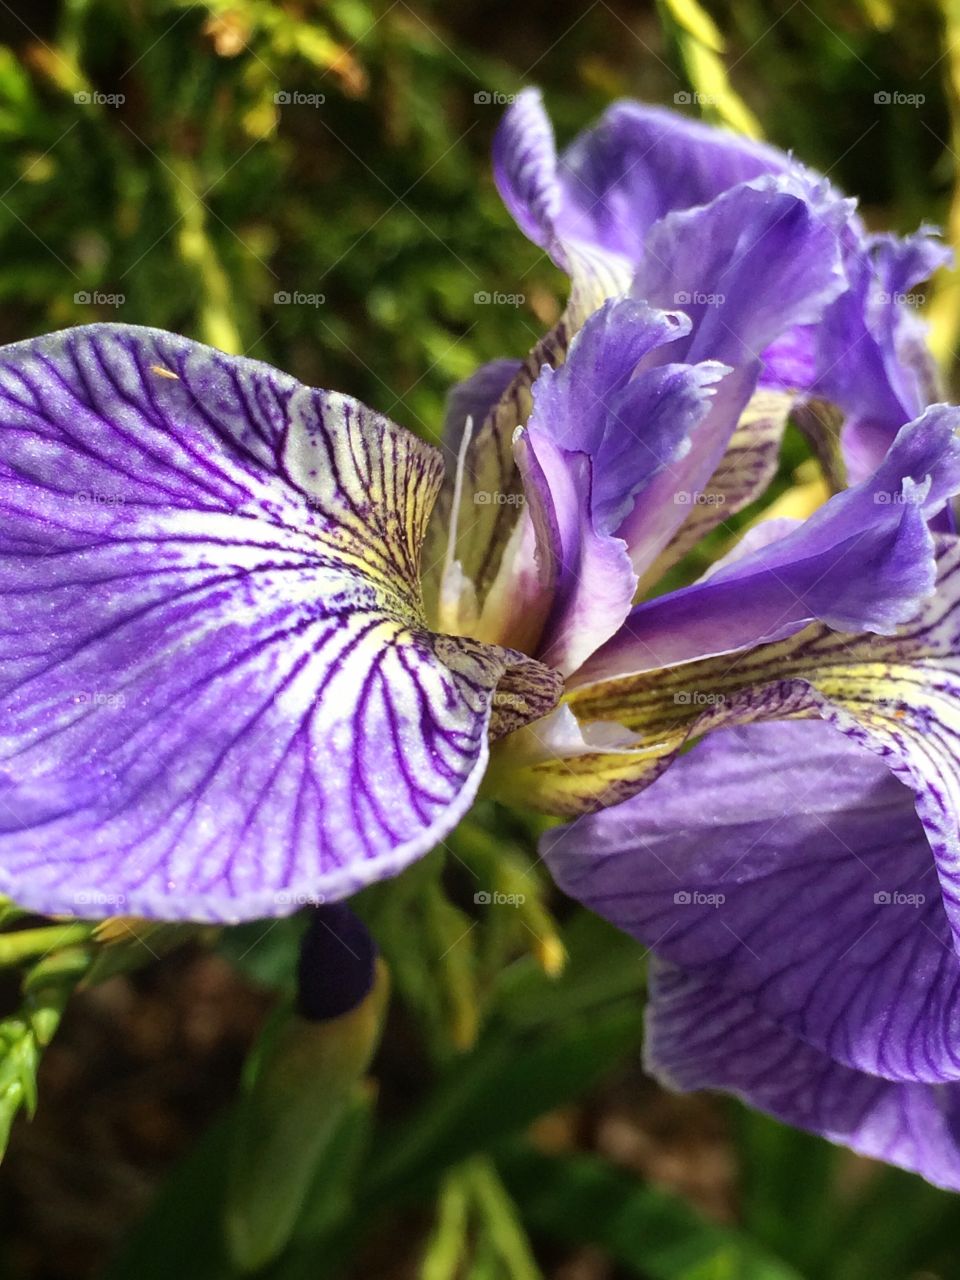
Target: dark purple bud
x: 336, y: 967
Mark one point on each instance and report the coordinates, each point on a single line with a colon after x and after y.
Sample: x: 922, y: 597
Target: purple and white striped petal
x: 219, y: 696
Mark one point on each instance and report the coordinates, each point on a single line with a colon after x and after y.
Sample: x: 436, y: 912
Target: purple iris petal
x: 784, y: 864
x: 219, y: 696
x: 475, y: 397
x: 872, y: 359
x: 757, y: 260
x: 598, y: 430
x: 747, y: 268
x: 863, y: 562
x: 701, y: 1036
x: 640, y: 166
x: 585, y: 573
x: 652, y: 428
x: 631, y: 422
x: 617, y: 179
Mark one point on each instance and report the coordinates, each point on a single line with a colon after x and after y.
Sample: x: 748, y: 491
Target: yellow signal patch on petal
x: 899, y: 696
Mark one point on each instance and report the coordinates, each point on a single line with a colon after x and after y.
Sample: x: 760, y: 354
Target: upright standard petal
x: 632, y: 421
x: 872, y: 359
x: 618, y: 178
x: 640, y: 166
x: 599, y: 429
x: 219, y: 696
x: 746, y: 268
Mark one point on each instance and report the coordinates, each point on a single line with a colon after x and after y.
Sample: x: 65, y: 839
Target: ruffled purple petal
x: 631, y: 422
x: 757, y: 260
x: 746, y: 268
x: 618, y: 178
x: 700, y: 1036
x: 872, y: 359
x: 863, y: 562
x: 598, y: 431
x: 219, y: 696
x: 783, y: 863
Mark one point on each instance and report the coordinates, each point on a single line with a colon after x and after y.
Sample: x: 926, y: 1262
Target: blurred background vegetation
x: 309, y: 183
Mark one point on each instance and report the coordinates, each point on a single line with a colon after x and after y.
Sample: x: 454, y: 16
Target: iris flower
x: 261, y: 647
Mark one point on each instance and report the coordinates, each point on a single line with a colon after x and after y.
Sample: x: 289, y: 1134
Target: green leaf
x: 23, y: 1038
x: 180, y: 1233
x: 603, y: 965
x: 691, y: 15
x: 580, y: 1200
x: 496, y: 1091
x: 266, y: 951
x: 787, y: 1176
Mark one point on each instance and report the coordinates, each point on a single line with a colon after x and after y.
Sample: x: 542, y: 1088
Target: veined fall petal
x: 220, y: 698
x: 801, y: 878
x: 700, y: 1036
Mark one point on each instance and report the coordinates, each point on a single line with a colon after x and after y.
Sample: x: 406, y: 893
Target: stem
x: 500, y: 1219
x: 30, y: 943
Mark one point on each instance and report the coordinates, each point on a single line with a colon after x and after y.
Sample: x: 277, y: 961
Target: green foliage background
x: 145, y: 161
